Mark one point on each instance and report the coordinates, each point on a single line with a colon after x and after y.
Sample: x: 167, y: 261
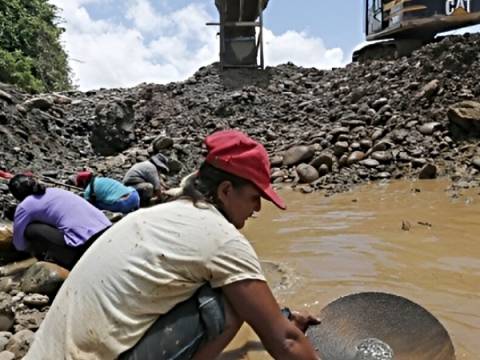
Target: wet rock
x: 466, y: 115
x: 370, y: 163
x: 43, y: 278
x: 307, y: 173
x: 429, y: 171
x: 429, y: 128
x: 355, y: 157
x: 20, y: 343
x: 297, y: 154
x: 162, y: 143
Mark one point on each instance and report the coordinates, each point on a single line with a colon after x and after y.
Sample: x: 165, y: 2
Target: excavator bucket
x: 240, y: 44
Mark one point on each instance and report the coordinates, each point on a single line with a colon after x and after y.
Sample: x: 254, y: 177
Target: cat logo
x: 451, y: 6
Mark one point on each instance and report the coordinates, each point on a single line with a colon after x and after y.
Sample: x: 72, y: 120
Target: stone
x: 323, y: 159
x: 113, y: 130
x: 378, y: 104
x: 369, y: 163
x: 4, y: 339
x: 307, y: 173
x: 6, y: 96
x: 340, y: 148
x: 466, y: 115
x: 429, y: 171
x: 20, y: 342
x: 297, y: 154
x: 42, y: 103
x: 36, y: 300
x: 162, y: 143
x: 6, y: 237
x: 276, y: 161
x: 355, y: 157
x: 382, y: 156
x: 43, y: 278
x: 476, y: 163
x: 6, y: 312
x: 429, y: 90
x: 7, y: 355
x: 323, y: 170
x: 429, y: 128
x: 30, y: 319
x: 17, y: 267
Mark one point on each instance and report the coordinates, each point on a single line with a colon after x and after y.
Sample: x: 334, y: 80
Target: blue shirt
x: 107, y: 191
x: 75, y: 217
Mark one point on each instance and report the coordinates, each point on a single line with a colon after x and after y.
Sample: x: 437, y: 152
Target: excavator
x: 407, y: 25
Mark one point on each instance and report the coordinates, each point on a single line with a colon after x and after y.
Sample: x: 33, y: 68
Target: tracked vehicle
x: 409, y: 24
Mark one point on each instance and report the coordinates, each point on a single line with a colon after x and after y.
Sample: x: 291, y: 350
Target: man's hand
x: 303, y: 321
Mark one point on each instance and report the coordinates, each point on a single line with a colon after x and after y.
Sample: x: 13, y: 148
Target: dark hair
x: 203, y: 186
x: 22, y: 186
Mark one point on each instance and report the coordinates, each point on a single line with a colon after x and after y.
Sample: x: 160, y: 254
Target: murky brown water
x: 322, y: 248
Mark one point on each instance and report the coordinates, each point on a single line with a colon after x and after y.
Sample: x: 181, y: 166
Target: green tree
x: 31, y: 55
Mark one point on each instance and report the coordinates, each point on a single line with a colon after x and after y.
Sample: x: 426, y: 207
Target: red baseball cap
x: 236, y: 153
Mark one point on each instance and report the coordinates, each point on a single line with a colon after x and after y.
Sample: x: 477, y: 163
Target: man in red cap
x: 179, y: 278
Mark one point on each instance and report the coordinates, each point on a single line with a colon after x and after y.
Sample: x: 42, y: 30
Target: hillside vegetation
x: 31, y: 55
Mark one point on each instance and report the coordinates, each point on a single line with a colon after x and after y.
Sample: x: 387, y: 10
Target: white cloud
x: 149, y: 46
x: 301, y: 49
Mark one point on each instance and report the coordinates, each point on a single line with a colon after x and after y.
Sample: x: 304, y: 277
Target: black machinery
x: 412, y: 23
x: 240, y: 44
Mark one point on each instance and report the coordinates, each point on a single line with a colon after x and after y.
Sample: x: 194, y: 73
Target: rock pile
x: 415, y: 117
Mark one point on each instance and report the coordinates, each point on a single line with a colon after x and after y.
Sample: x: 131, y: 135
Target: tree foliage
x: 31, y: 55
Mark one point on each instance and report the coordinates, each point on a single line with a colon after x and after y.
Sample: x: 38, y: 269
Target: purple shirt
x: 76, y: 217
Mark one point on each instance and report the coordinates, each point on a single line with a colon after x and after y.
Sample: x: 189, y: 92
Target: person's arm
x: 253, y: 301
x: 20, y: 222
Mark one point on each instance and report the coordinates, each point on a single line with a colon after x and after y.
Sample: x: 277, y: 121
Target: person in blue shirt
x: 108, y: 194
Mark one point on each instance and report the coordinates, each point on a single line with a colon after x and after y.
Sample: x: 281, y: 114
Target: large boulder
x: 43, y: 278
x: 114, y: 127
x: 466, y: 116
x: 297, y: 154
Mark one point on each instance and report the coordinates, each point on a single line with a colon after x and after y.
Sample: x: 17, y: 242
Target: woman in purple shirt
x: 53, y: 224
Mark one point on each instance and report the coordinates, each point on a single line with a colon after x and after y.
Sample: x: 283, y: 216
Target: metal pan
x: 379, y: 326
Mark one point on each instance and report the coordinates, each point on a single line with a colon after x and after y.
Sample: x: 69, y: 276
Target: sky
x: 122, y: 43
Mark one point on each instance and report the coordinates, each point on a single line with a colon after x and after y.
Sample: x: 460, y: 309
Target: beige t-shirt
x: 140, y: 268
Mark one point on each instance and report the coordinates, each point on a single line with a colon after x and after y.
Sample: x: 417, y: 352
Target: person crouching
x: 108, y: 194
x: 53, y: 224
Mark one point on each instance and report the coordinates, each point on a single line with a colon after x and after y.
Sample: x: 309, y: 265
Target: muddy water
x: 322, y: 248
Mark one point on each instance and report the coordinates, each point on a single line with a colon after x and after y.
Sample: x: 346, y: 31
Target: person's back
x: 144, y: 171
x: 156, y: 264
x: 66, y: 211
x: 107, y: 190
